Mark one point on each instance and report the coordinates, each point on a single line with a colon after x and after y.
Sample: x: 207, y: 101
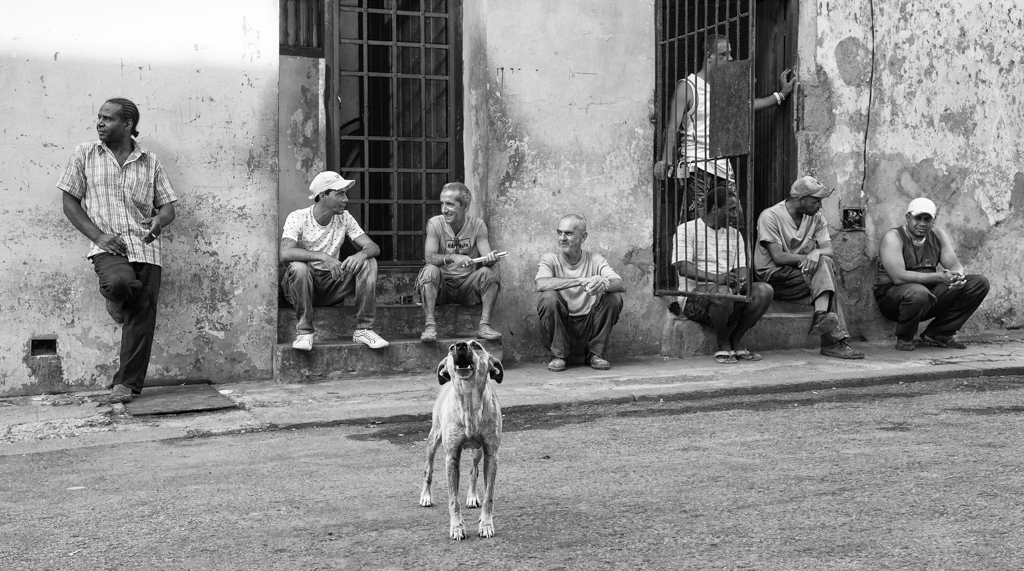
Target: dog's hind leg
x: 457, y: 528
x: 433, y: 441
x: 472, y: 499
x: 490, y: 474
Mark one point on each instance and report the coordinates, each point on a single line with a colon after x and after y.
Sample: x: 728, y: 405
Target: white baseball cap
x: 921, y: 206
x: 328, y: 180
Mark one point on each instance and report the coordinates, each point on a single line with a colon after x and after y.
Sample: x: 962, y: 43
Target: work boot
x: 429, y: 334
x: 121, y: 394
x: 556, y: 365
x: 841, y: 350
x: 905, y: 344
x: 598, y: 362
x: 823, y: 322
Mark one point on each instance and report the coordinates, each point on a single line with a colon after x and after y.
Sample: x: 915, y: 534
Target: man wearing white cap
x: 315, y: 276
x: 794, y: 255
x: 909, y: 287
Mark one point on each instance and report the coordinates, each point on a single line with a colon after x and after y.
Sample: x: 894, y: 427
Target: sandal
x: 744, y: 355
x: 725, y: 358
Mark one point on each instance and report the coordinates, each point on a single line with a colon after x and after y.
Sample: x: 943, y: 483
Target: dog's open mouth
x: 463, y: 361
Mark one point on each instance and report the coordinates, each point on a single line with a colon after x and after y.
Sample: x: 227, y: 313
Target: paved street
x: 911, y: 476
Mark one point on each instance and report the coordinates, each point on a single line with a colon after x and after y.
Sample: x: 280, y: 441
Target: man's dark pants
x: 136, y: 287
x: 567, y: 335
x: 949, y: 309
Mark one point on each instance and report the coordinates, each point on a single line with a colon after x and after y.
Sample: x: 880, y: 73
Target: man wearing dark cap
x: 117, y: 194
x: 314, y: 273
x: 910, y: 288
x: 794, y: 256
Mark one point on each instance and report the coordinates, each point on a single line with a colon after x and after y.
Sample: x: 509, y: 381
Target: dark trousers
x: 566, y: 335
x: 136, y: 287
x: 949, y: 309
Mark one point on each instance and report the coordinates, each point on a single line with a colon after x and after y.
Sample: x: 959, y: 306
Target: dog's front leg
x: 457, y: 528
x: 472, y: 499
x: 490, y: 474
x: 433, y: 441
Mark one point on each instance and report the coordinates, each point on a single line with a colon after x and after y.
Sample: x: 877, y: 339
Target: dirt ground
x: 921, y: 476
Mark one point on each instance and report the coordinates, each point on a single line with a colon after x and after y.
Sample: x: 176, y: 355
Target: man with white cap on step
x: 909, y: 287
x: 315, y: 275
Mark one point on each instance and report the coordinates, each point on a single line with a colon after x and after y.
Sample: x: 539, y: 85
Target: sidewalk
x: 54, y: 422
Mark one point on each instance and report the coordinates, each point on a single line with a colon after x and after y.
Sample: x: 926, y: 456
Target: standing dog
x: 466, y: 415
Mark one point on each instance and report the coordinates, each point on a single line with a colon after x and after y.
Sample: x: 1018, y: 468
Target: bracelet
x: 778, y: 98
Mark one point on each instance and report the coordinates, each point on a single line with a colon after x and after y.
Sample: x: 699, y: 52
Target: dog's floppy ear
x: 496, y: 372
x: 443, y: 376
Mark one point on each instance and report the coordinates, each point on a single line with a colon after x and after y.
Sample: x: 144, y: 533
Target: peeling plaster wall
x: 207, y: 90
x: 944, y: 121
x: 568, y: 89
x: 302, y: 125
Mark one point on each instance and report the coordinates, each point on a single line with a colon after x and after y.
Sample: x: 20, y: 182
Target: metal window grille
x: 680, y: 199
x: 396, y: 115
x: 302, y: 28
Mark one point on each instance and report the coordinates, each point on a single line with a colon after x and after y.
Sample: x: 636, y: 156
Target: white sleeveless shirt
x: 693, y: 146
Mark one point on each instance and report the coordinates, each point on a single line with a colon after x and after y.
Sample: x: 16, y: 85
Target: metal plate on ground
x: 177, y: 400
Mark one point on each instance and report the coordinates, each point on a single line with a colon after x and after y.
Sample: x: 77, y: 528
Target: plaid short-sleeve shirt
x: 118, y: 198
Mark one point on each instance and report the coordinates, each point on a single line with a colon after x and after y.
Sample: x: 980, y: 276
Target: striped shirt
x: 118, y: 198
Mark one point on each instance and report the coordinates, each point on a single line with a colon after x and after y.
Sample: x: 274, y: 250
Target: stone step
x: 784, y: 326
x: 392, y: 320
x: 341, y: 359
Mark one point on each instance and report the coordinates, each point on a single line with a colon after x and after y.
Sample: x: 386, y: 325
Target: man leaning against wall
x: 117, y: 194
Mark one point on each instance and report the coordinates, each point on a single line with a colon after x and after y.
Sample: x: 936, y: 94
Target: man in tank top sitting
x: 910, y: 288
x: 454, y: 241
x: 580, y: 298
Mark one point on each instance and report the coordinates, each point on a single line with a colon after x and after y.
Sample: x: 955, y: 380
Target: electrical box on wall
x: 853, y: 219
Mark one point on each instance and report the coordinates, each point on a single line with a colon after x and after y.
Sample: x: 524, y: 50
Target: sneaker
x: 429, y: 334
x: 556, y: 365
x: 905, y: 344
x: 369, y: 338
x: 941, y: 340
x: 121, y: 394
x: 116, y: 311
x: 485, y: 332
x: 598, y: 362
x: 303, y: 342
x: 823, y: 322
x: 841, y: 350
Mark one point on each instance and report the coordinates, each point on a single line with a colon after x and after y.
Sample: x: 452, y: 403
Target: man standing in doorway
x: 580, y: 298
x: 117, y: 194
x: 685, y: 146
x: 794, y: 255
x: 315, y: 275
x: 454, y: 239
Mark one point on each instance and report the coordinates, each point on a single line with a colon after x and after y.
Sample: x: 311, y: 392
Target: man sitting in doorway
x: 315, y: 276
x: 710, y: 254
x: 454, y: 239
x: 580, y: 298
x: 794, y: 256
x: 909, y: 288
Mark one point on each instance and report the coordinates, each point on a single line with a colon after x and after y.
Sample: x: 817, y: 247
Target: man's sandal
x: 744, y: 355
x: 725, y: 358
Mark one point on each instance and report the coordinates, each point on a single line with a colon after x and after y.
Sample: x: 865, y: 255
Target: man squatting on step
x: 454, y: 239
x: 794, y: 256
x: 580, y: 298
x: 909, y: 288
x: 314, y: 275
x: 117, y: 194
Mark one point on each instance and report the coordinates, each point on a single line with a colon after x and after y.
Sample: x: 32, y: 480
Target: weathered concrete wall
x: 302, y: 128
x: 568, y: 89
x: 205, y: 78
x: 938, y: 92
